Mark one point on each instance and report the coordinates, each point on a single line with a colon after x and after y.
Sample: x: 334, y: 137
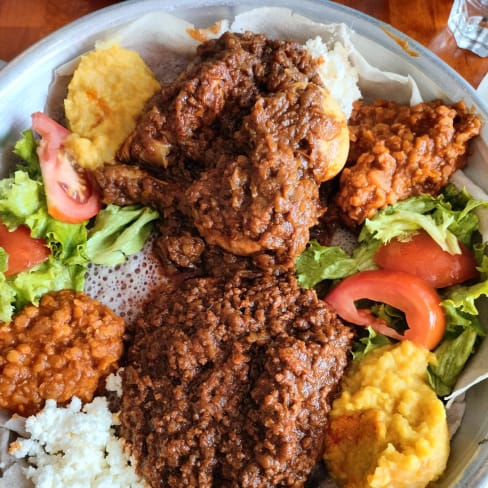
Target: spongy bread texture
x: 126, y: 287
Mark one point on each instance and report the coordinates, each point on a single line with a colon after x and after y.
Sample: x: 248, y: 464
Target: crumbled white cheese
x: 76, y: 447
x: 337, y: 72
x: 113, y: 382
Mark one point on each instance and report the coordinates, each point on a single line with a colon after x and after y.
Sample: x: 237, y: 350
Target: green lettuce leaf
x: 368, y: 343
x: 26, y: 148
x: 480, y: 254
x: 318, y: 263
x: 119, y: 232
x: 7, y: 299
x: 463, y: 298
x: 448, y: 218
x: 393, y: 317
x: 364, y: 254
x: 51, y: 275
x: 20, y: 197
x: 3, y: 260
x: 452, y: 356
x: 463, y: 333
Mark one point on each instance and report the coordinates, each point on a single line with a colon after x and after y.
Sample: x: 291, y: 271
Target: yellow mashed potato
x: 108, y: 90
x: 388, y: 428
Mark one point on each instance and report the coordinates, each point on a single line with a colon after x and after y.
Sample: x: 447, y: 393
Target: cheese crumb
x: 76, y: 447
x: 338, y: 74
x: 113, y: 382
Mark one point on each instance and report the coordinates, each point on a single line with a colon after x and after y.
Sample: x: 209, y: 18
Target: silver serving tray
x: 25, y: 80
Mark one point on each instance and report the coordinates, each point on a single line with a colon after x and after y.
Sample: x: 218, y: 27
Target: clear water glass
x: 468, y: 21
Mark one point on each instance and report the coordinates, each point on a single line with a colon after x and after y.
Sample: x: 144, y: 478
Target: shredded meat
x: 196, y: 116
x: 268, y: 198
x: 398, y: 151
x: 229, y: 382
x: 126, y: 185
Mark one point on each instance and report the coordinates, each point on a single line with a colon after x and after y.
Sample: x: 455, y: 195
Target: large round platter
x: 24, y: 83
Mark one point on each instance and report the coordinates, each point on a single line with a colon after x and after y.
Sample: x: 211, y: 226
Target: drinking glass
x: 468, y: 21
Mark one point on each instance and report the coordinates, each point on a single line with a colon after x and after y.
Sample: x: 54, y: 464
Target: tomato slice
x: 71, y: 192
x: 423, y: 257
x: 404, y: 291
x: 23, y: 251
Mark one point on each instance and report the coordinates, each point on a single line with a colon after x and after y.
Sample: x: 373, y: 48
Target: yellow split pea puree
x: 106, y: 94
x: 388, y: 428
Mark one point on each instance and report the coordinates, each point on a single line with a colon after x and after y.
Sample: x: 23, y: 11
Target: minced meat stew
x: 229, y: 382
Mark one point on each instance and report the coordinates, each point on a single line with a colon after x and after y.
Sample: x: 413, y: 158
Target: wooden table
x: 23, y: 22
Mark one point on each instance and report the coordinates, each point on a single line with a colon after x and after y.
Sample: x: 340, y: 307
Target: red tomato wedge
x: 71, y: 192
x: 23, y: 251
x: 404, y: 291
x: 423, y: 257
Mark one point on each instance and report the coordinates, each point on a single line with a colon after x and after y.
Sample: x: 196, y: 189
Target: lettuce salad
x: 112, y: 235
x: 449, y: 218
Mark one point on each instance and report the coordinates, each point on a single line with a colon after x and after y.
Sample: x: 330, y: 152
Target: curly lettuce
x: 119, y: 232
